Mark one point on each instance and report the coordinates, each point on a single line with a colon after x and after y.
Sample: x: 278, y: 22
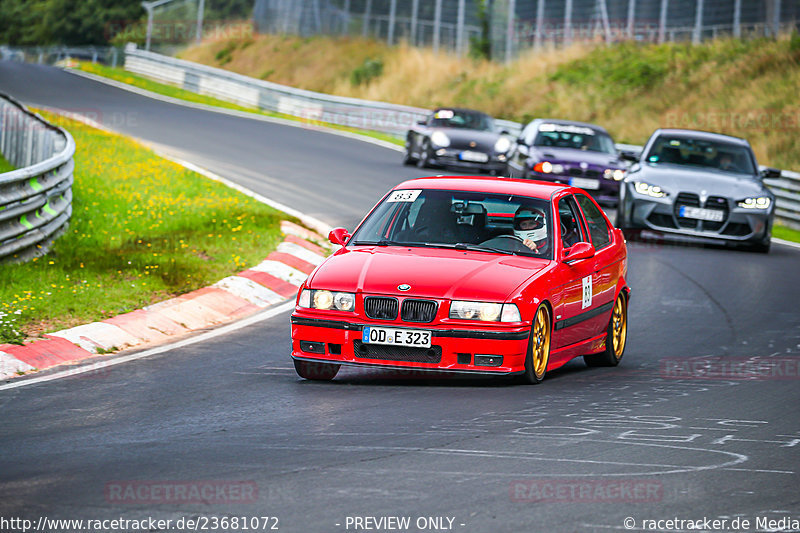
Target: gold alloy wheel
x: 619, y: 326
x: 541, y: 341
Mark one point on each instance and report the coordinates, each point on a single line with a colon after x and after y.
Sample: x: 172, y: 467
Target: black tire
x: 619, y: 220
x: 407, y: 158
x: 615, y: 345
x: 762, y: 247
x: 424, y: 160
x: 315, y: 371
x: 539, y: 341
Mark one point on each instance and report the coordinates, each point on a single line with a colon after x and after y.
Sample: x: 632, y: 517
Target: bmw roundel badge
x: 404, y: 287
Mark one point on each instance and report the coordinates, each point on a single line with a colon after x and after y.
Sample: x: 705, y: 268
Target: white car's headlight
x: 502, y: 145
x: 761, y: 202
x: 439, y: 138
x: 322, y: 299
x: 650, y: 190
x: 486, y: 311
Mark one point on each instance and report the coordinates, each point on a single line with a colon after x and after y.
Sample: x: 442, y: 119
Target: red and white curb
x: 271, y: 282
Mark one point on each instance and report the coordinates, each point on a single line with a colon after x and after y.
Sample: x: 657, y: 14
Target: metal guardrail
x: 243, y: 90
x: 50, y: 55
x: 787, y: 198
x: 35, y: 199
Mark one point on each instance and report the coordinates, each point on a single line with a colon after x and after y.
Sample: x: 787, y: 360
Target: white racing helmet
x: 530, y: 223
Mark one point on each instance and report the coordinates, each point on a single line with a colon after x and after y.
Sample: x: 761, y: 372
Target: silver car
x: 699, y: 184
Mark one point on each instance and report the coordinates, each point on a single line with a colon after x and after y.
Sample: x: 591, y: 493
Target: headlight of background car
x: 614, y: 174
x: 502, y: 145
x: 546, y: 167
x: 762, y: 202
x: 439, y: 138
x: 487, y: 311
x: 322, y: 299
x: 650, y: 190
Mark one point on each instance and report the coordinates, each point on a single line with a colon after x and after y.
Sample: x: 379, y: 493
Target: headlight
x: 502, y: 145
x: 614, y: 174
x: 486, y: 311
x: 762, y: 202
x: 440, y: 139
x: 546, y: 167
x: 321, y: 299
x: 650, y: 190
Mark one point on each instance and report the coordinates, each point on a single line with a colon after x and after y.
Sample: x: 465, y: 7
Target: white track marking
x: 10, y: 365
x: 249, y: 290
x: 301, y: 253
x: 281, y: 271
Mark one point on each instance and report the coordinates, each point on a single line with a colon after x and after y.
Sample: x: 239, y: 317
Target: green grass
x: 5, y: 166
x: 787, y: 234
x: 142, y: 229
x: 121, y: 75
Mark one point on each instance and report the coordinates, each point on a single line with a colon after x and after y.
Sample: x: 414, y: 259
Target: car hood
x: 570, y: 155
x: 675, y: 179
x: 431, y: 272
x: 460, y: 138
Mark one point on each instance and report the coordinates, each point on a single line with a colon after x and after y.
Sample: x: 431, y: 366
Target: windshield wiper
x: 481, y: 248
x: 382, y: 242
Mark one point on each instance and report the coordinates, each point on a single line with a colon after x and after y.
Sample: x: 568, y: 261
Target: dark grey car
x: 457, y: 138
x: 699, y: 184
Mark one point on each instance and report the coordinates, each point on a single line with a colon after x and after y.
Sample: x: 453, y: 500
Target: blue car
x: 576, y: 153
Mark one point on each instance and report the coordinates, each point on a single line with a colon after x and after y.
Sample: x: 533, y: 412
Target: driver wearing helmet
x: 530, y: 226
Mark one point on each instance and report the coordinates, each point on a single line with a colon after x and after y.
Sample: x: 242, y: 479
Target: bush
x: 369, y: 70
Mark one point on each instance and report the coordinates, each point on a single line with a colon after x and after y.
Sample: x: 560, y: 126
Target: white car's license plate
x: 476, y: 157
x: 585, y: 183
x: 417, y: 338
x: 712, y: 215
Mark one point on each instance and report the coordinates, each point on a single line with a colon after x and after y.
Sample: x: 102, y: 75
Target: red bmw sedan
x: 473, y: 275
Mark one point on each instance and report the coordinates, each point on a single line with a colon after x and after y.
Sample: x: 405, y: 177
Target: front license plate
x: 476, y: 157
x: 585, y: 183
x: 712, y: 215
x: 396, y: 337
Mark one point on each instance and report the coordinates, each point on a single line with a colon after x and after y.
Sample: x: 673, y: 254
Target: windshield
x: 493, y: 223
x: 716, y: 155
x: 458, y: 118
x: 576, y: 137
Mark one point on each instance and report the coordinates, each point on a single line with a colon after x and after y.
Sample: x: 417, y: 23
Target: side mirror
x: 629, y: 156
x: 339, y: 236
x: 580, y: 250
x: 771, y: 173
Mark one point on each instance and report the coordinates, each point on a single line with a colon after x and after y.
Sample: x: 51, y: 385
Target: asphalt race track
x: 649, y: 440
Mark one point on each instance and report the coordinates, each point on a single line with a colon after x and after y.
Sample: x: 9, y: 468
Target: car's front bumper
x: 452, y: 158
x: 452, y: 350
x: 661, y: 215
